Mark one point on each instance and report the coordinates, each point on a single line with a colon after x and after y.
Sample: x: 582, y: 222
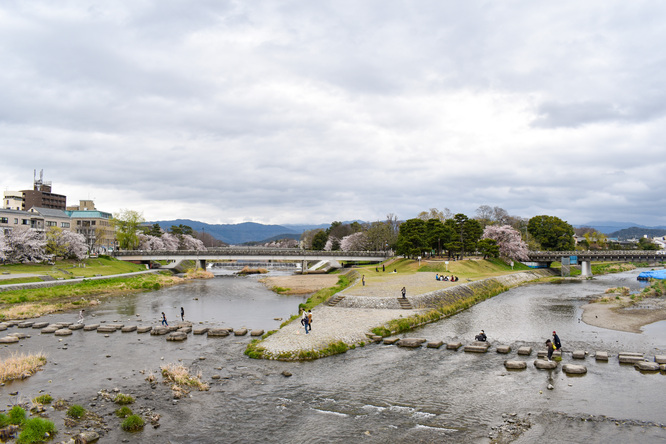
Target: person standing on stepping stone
x: 182, y: 314
x: 404, y: 292
x: 164, y: 321
x: 556, y: 341
x: 551, y: 348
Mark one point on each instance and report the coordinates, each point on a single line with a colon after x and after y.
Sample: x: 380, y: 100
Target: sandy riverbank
x: 613, y: 315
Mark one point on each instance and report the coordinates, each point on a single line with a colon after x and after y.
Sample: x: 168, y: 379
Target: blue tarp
x: 655, y: 274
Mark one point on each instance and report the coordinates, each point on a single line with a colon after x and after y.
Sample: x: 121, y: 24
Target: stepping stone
x: 240, y: 332
x: 452, y: 345
x: 525, y: 350
x: 662, y: 367
x: 660, y: 359
x: 128, y: 328
x: 578, y: 354
x: 186, y: 330
x: 49, y: 330
x: 601, y: 356
x: 116, y: 326
x: 543, y: 364
x: 515, y: 365
x: 158, y: 331
x: 176, y: 336
x: 476, y: 348
x: 76, y: 327
x: 217, y: 332
x: 106, y: 329
x: 543, y: 353
x: 184, y: 324
x: 40, y: 324
x: 410, y: 342
x: 3, y: 327
x: 63, y: 332
x: 574, y: 369
x: 504, y: 349
x: 391, y: 341
x: 60, y: 324
x: 20, y: 335
x: 435, y: 344
x: 90, y: 327
x: 257, y: 333
x: 377, y: 339
x: 647, y: 366
x: 144, y: 329
x: 630, y: 358
x: 9, y: 340
x: 200, y: 331
x: 26, y: 324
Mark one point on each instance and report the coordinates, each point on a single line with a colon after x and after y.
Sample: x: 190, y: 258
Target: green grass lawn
x: 67, y: 269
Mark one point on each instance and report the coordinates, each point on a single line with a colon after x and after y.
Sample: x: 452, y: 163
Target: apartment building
x: 19, y: 220
x: 96, y: 226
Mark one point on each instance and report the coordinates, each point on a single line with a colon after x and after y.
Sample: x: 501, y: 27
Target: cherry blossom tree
x: 508, y: 240
x: 3, y: 247
x: 354, y: 242
x: 25, y: 246
x: 282, y: 243
x: 187, y: 242
x: 171, y: 241
x: 150, y: 243
x: 75, y: 245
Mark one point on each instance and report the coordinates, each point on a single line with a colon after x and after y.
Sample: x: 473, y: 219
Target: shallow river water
x: 372, y: 394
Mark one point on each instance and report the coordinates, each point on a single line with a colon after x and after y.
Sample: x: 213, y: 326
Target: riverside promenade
x: 370, y: 306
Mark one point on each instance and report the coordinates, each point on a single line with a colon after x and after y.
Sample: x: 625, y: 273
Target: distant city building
x: 19, y: 220
x: 94, y: 225
x: 13, y: 200
x: 52, y: 218
x: 41, y: 196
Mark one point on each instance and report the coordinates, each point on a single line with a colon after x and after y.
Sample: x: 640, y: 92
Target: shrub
x: 76, y: 411
x: 133, y: 423
x: 36, y: 430
x: 123, y: 412
x: 4, y: 420
x: 122, y: 399
x: 17, y: 415
x: 43, y: 399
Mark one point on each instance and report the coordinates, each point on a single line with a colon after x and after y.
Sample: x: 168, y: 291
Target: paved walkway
x: 65, y: 281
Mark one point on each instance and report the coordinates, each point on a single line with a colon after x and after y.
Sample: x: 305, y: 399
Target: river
x: 373, y: 394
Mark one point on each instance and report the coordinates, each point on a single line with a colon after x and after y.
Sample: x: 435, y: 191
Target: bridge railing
x: 250, y: 251
x: 599, y: 254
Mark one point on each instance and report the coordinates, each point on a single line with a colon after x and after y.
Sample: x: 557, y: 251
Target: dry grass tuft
x: 20, y: 366
x: 181, y: 378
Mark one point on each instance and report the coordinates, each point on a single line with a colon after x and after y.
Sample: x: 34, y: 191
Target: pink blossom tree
x: 354, y: 242
x: 25, y: 246
x: 188, y: 242
x: 508, y: 240
x: 171, y: 241
x: 75, y: 245
x: 150, y: 243
x: 3, y: 247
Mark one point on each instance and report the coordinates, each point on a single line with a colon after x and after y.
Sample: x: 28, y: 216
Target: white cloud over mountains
x: 296, y: 111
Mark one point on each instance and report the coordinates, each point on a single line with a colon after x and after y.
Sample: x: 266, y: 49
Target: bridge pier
x: 200, y: 263
x: 586, y: 268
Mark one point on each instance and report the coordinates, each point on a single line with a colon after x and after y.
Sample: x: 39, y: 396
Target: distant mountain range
x: 235, y: 234
x: 625, y: 230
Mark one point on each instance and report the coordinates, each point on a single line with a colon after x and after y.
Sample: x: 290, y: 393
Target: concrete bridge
x: 584, y: 258
x: 249, y: 253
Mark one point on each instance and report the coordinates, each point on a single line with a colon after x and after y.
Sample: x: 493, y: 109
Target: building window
x: 64, y: 225
x: 25, y: 222
x: 15, y: 220
x: 4, y: 220
x: 51, y: 224
x: 92, y: 223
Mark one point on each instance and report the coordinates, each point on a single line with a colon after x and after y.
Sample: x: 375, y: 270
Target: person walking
x: 164, y: 321
x: 551, y: 349
x: 556, y: 341
x: 80, y: 321
x: 363, y: 280
x: 182, y: 314
x: 305, y: 321
x: 310, y: 319
x: 383, y: 268
x: 404, y: 292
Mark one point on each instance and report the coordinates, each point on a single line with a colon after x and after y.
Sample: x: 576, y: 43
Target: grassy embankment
x: 466, y: 270
x: 20, y: 366
x: 21, y: 304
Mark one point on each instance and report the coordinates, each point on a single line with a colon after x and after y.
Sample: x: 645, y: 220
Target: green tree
x: 55, y: 243
x: 319, y: 240
x: 128, y: 223
x: 412, y: 238
x: 155, y: 230
x: 437, y: 235
x: 646, y: 244
x: 552, y: 233
x: 467, y: 234
x: 181, y: 230
x: 488, y: 248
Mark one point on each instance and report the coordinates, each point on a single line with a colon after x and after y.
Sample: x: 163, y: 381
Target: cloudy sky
x: 314, y: 111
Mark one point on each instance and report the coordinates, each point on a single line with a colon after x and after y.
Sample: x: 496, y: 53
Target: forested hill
x: 232, y: 234
x: 637, y: 232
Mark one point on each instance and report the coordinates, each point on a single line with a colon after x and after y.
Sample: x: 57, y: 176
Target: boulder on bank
x: 515, y: 365
x: 646, y: 366
x: 543, y: 364
x: 410, y: 342
x: 574, y: 369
